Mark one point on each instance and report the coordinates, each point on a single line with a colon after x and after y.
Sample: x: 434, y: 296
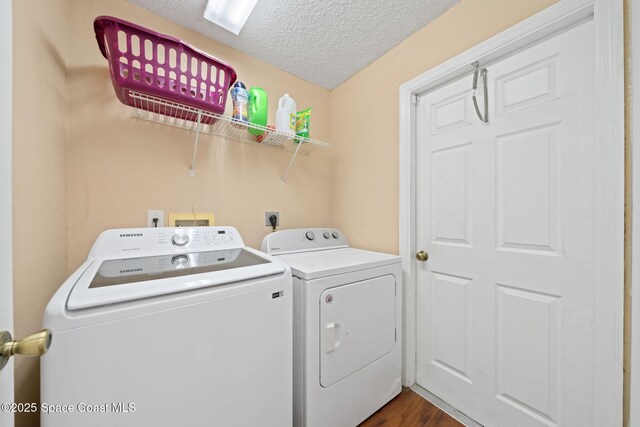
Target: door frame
x: 6, y: 242
x: 634, y: 397
x: 609, y: 92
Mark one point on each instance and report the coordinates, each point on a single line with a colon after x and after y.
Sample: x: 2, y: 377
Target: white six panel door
x: 506, y: 211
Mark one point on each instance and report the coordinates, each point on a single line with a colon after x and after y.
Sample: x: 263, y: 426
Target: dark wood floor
x: 409, y: 409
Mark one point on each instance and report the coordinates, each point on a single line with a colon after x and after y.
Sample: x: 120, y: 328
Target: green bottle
x: 258, y: 109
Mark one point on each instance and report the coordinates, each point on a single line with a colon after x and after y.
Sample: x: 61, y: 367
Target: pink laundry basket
x: 161, y: 66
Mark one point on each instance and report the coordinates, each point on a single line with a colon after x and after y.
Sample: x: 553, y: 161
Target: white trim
x: 609, y: 298
x: 444, y: 406
x: 608, y: 22
x: 407, y: 235
x: 634, y: 400
x: 6, y: 302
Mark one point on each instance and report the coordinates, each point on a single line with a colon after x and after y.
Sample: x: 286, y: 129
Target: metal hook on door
x: 483, y: 73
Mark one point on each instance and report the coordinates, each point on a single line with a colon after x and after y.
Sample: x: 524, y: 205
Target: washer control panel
x: 165, y: 240
x: 303, y: 240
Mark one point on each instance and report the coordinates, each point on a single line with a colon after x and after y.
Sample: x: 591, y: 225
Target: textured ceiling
x: 324, y: 42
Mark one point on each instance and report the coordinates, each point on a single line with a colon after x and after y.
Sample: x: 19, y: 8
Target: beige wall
x: 119, y: 166
x: 39, y: 173
x: 83, y: 164
x: 364, y: 115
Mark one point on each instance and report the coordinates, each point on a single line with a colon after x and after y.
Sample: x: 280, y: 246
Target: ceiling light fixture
x: 229, y: 14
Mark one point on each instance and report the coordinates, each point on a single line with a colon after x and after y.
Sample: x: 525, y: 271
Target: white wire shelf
x: 158, y: 110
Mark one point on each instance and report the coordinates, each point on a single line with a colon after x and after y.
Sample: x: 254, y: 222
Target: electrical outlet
x: 155, y: 213
x: 266, y: 218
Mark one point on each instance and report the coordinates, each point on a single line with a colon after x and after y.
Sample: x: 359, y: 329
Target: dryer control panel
x: 129, y: 241
x: 303, y: 240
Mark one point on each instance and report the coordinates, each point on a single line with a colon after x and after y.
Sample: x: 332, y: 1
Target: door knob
x: 32, y: 346
x: 422, y: 256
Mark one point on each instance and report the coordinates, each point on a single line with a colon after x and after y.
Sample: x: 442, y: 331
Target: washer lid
x: 108, y: 281
x: 313, y: 265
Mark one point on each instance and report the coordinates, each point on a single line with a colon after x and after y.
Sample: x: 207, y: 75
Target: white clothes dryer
x: 347, y: 323
x: 170, y: 327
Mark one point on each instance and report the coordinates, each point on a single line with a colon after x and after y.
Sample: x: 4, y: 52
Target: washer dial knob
x: 180, y: 260
x: 310, y: 235
x: 180, y: 239
x: 326, y: 235
x: 335, y: 234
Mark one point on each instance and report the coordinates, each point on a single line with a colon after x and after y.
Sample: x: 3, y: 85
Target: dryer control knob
x: 310, y: 235
x: 326, y: 235
x: 180, y: 239
x: 335, y: 234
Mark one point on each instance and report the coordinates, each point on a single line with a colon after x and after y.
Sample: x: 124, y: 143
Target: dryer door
x: 357, y: 326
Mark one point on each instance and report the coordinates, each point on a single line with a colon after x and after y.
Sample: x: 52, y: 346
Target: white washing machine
x: 170, y: 327
x: 347, y: 326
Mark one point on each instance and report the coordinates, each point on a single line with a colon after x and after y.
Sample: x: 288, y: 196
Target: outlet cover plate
x: 268, y: 214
